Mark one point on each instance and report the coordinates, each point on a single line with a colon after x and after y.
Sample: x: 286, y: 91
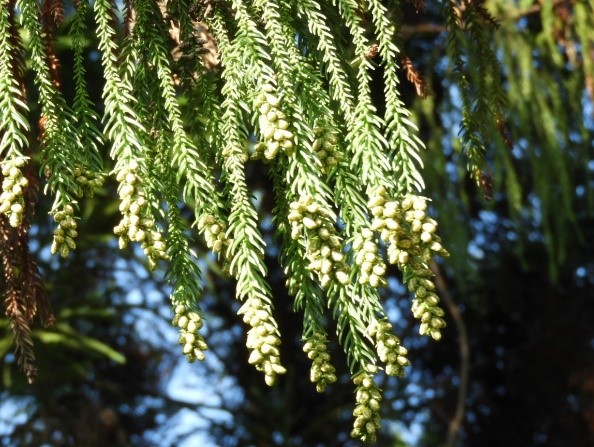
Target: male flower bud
x: 412, y: 241
x: 322, y: 372
x: 12, y: 202
x: 189, y: 323
x: 214, y: 232
x: 64, y: 234
x: 273, y: 125
x: 262, y: 339
x: 326, y: 148
x: 368, y: 259
x: 367, y: 419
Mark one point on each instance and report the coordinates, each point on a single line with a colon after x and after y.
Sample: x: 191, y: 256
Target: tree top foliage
x: 197, y: 92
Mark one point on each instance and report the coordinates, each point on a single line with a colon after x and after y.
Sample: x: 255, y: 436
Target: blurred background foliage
x: 515, y: 366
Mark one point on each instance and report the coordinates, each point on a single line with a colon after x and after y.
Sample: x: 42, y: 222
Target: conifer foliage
x: 263, y: 82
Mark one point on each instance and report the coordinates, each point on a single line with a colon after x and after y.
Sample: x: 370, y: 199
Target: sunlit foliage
x: 195, y: 91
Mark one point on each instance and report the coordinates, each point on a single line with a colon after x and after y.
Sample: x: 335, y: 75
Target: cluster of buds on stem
x: 189, y: 323
x: 323, y: 245
x: 274, y: 127
x: 425, y: 305
x: 412, y: 243
x: 87, y: 181
x: 12, y: 202
x: 368, y: 398
x: 322, y: 372
x: 137, y: 224
x: 325, y: 147
x: 263, y: 339
x: 236, y: 153
x: 214, y: 232
x: 389, y: 349
x: 367, y: 257
x: 66, y: 232
x: 293, y: 282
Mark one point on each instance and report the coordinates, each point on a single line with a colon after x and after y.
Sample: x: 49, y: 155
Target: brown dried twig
x: 485, y: 180
x: 16, y: 304
x: 52, y: 11
x: 414, y: 77
x: 24, y: 296
x: 24, y: 293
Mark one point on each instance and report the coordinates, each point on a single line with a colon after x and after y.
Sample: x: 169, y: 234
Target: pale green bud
x: 310, y: 223
x: 265, y: 108
x: 278, y: 369
x: 437, y: 323
x: 271, y: 116
x: 255, y: 358
x: 407, y: 203
x: 359, y: 423
x: 370, y: 257
x: 392, y: 224
x: 15, y: 220
x: 183, y: 322
x: 70, y: 242
x: 64, y: 251
x: 337, y: 256
x: 126, y: 190
x: 419, y: 214
x: 374, y: 280
x: 419, y: 204
x: 390, y: 211
x: 379, y: 269
x: 342, y: 277
x: 326, y: 266
x: 377, y: 211
x: 274, y: 101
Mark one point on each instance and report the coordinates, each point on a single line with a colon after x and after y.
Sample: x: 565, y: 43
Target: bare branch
x: 464, y: 347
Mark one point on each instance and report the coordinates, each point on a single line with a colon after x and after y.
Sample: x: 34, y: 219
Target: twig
x: 533, y: 9
x: 464, y: 347
x: 407, y: 31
